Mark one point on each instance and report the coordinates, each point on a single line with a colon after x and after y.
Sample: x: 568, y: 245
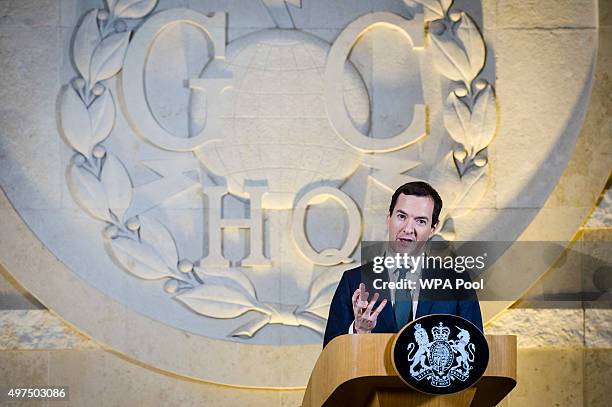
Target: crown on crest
x: 440, y: 333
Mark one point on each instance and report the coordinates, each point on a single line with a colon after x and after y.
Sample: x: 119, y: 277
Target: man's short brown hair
x: 419, y: 188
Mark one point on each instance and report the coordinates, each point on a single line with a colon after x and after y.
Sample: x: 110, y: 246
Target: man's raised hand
x: 365, y: 317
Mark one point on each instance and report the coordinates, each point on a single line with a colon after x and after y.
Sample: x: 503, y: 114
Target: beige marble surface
x: 541, y: 328
x: 38, y: 329
x: 549, y: 378
x: 100, y: 378
x: 597, y: 373
x: 598, y: 328
x: 546, y: 377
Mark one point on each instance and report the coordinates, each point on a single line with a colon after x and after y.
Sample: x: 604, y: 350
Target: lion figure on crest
x: 421, y: 354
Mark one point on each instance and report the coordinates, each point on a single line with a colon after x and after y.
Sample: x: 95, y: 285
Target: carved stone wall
x: 178, y: 180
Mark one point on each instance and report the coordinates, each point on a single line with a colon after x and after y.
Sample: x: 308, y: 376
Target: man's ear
x: 434, y: 229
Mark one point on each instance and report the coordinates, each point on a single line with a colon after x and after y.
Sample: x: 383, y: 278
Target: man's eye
x: 399, y: 215
x: 422, y: 222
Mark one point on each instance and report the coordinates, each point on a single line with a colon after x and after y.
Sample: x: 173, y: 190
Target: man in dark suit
x: 413, y: 216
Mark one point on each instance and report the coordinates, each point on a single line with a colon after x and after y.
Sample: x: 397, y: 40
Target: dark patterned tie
x: 403, y: 301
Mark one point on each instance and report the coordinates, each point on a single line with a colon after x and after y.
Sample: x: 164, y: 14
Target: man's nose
x: 408, y: 226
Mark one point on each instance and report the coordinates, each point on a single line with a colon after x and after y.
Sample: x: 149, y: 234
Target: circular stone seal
x: 440, y: 354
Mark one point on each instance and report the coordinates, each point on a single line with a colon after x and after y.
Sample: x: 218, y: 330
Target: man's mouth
x: 406, y: 240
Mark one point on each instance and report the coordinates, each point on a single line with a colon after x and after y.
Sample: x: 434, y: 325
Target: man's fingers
x: 362, y: 291
x: 371, y: 305
x: 355, y: 296
x: 379, y: 308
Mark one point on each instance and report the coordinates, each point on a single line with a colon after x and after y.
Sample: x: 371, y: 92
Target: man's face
x: 411, y: 221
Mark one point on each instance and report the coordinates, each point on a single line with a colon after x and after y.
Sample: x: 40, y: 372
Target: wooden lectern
x: 356, y: 370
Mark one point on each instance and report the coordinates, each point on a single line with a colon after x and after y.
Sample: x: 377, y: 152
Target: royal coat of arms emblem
x: 454, y: 359
x: 441, y: 360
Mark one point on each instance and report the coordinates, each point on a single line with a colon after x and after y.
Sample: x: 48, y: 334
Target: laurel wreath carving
x: 101, y: 185
x: 470, y: 109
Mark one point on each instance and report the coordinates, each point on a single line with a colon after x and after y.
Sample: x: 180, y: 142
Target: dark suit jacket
x: 341, y: 309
